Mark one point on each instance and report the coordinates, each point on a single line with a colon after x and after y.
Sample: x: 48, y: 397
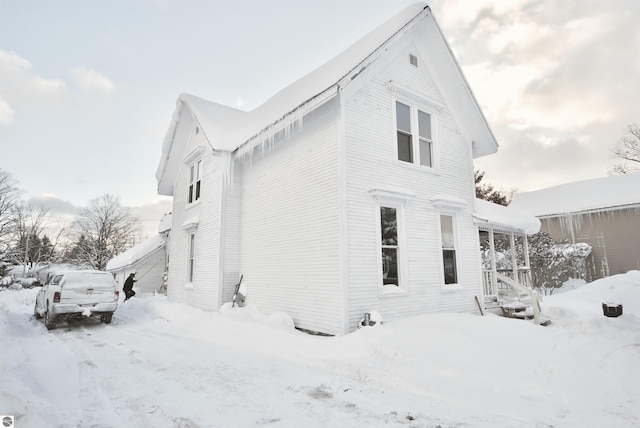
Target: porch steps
x: 515, y: 308
x: 518, y: 310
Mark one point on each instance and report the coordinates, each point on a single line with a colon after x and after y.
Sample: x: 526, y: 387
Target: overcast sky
x: 87, y: 88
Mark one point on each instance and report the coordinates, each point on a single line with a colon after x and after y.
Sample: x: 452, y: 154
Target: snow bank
x: 161, y: 363
x: 586, y: 301
x: 38, y: 384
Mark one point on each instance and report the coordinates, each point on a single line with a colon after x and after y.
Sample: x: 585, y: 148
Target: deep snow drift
x: 166, y: 364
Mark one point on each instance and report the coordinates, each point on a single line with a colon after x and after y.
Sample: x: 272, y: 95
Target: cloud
x: 56, y: 205
x: 21, y: 82
x: 62, y: 213
x: 150, y: 215
x: 556, y: 80
x: 91, y: 80
x: 6, y: 113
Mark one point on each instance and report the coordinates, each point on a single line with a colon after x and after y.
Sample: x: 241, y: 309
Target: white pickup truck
x: 76, y: 294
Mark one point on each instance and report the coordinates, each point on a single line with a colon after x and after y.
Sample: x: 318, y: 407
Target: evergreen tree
x: 553, y: 263
x: 488, y: 192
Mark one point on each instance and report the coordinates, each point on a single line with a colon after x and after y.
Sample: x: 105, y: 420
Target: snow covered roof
x: 228, y: 129
x: 165, y: 223
x: 581, y: 196
x: 138, y: 252
x: 507, y: 218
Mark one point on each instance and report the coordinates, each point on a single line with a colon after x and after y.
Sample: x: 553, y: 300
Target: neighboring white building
x: 351, y: 190
x: 148, y: 259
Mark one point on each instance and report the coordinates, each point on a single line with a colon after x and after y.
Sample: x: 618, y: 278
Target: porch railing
x: 494, y: 286
x: 535, y: 297
x: 502, y: 283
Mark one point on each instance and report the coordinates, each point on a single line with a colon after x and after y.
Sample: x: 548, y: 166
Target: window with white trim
x: 449, y: 253
x: 392, y: 262
x: 390, y: 245
x: 414, y: 135
x: 195, y: 178
x: 192, y: 257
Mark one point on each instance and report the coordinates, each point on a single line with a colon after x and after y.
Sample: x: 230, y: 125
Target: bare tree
x: 627, y: 151
x: 30, y: 221
x: 9, y: 200
x: 103, y: 230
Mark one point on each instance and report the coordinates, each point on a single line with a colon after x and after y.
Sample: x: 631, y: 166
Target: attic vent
x: 197, y: 130
x: 413, y: 60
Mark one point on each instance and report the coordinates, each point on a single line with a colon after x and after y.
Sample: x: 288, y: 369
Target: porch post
x: 492, y: 257
x: 527, y: 263
x: 514, y: 258
x: 526, y: 252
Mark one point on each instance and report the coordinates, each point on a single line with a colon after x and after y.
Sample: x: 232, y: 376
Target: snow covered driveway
x: 165, y: 364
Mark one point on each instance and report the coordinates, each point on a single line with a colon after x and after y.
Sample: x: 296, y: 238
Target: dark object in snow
x: 128, y: 287
x: 370, y: 319
x: 240, y: 294
x: 367, y: 320
x: 612, y: 310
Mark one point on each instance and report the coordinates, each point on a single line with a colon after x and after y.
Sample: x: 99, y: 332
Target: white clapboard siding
x: 289, y: 233
x: 370, y: 141
x: 230, y: 238
x: 203, y: 292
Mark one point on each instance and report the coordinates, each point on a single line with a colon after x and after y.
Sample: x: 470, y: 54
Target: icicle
x: 226, y: 168
x: 265, y: 140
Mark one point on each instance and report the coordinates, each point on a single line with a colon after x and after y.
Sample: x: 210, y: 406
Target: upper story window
x: 195, y: 178
x: 414, y: 135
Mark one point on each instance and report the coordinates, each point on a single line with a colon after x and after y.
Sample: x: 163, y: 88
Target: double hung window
x: 390, y: 245
x: 192, y: 257
x: 448, y: 239
x: 414, y: 135
x: 195, y: 178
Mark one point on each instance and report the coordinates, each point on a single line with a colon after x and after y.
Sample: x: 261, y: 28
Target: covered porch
x: 507, y: 284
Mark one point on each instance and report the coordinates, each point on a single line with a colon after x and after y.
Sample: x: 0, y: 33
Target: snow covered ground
x: 164, y: 364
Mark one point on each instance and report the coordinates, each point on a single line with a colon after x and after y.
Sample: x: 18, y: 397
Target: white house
x: 349, y: 191
x: 149, y: 260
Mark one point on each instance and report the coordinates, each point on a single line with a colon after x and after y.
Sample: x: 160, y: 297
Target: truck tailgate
x: 88, y: 289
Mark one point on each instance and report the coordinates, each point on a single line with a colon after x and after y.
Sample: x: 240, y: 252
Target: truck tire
x: 49, y: 320
x: 106, y: 318
x: 35, y: 312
